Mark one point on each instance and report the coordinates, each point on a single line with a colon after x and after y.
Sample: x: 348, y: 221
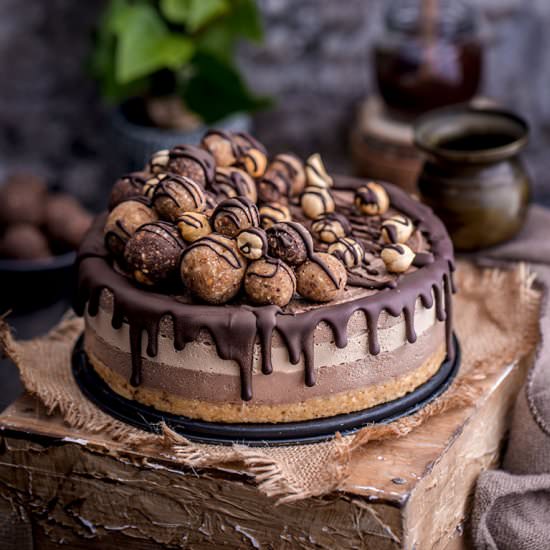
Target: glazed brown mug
x: 473, y: 177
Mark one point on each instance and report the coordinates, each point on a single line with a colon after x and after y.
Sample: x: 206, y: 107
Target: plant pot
x: 135, y: 143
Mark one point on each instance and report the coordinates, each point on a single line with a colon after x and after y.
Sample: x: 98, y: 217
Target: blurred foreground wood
x: 64, y: 486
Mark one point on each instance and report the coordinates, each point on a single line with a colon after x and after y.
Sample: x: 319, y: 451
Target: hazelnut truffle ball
x: 269, y: 282
x: 212, y: 268
x: 152, y: 253
x: 397, y: 257
x: 397, y: 229
x: 127, y: 187
x: 330, y: 227
x: 290, y: 242
x: 254, y: 162
x: 22, y: 200
x: 175, y: 195
x: 252, y: 243
x: 193, y: 226
x: 222, y: 146
x: 159, y: 161
x: 65, y: 220
x: 233, y: 182
x: 349, y: 251
x: 273, y: 213
x: 194, y: 163
x: 372, y: 199
x: 233, y: 215
x: 24, y: 241
x: 322, y: 278
x: 316, y: 173
x: 316, y: 201
x: 123, y: 222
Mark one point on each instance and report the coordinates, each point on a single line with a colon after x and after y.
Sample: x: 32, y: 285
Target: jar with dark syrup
x: 429, y: 56
x: 473, y: 176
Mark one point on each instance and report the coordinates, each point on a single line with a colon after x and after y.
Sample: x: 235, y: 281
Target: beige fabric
x: 493, y: 332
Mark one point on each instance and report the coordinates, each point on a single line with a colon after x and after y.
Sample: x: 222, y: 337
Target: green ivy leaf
x: 146, y: 45
x: 216, y: 90
x: 194, y: 14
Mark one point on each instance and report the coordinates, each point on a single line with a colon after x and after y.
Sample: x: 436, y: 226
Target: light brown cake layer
x: 316, y: 407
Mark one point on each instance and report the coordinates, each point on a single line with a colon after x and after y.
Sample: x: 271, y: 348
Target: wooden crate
x: 64, y: 485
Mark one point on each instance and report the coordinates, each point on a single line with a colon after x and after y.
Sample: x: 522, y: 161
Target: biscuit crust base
x: 317, y: 407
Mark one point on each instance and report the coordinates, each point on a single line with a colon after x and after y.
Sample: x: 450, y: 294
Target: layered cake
x: 232, y: 286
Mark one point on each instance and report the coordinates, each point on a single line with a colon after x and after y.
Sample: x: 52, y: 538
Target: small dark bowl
x: 32, y: 284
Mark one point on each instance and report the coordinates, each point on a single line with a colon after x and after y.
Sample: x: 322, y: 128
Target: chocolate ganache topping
x: 236, y: 328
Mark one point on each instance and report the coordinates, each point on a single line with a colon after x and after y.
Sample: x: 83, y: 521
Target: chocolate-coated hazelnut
x: 152, y: 253
x: 372, y: 199
x: 322, y: 278
x: 151, y: 183
x: 269, y: 282
x: 316, y: 201
x: 194, y: 163
x: 175, y: 195
x: 22, y: 200
x: 212, y: 268
x: 221, y: 146
x: 127, y: 187
x: 290, y: 242
x: 193, y: 226
x: 254, y: 162
x: 349, y: 251
x: 252, y: 243
x: 233, y: 215
x: 24, y: 241
x: 316, y: 173
x: 273, y: 213
x: 123, y: 222
x: 397, y: 257
x: 159, y: 161
x: 397, y: 229
x: 330, y: 227
x: 233, y: 182
x: 290, y: 165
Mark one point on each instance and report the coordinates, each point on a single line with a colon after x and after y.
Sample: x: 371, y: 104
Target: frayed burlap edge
x: 287, y: 473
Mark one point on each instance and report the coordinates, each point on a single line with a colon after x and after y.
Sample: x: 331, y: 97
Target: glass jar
x: 429, y: 56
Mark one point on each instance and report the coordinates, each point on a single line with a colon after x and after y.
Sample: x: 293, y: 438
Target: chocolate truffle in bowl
x: 24, y: 241
x: 66, y: 221
x: 22, y: 200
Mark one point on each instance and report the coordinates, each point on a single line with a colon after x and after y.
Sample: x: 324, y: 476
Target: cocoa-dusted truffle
x: 152, y: 253
x: 127, y: 187
x: 123, y: 221
x: 24, y: 241
x: 316, y: 172
x: 159, y: 161
x: 65, y: 220
x: 193, y: 226
x: 233, y: 215
x: 175, y: 194
x: 349, y: 251
x: 252, y: 243
x: 222, y: 146
x: 397, y: 257
x: 316, y: 201
x: 194, y: 163
x: 284, y: 178
x: 397, y: 229
x: 290, y: 242
x: 331, y: 227
x: 22, y: 200
x: 233, y: 182
x: 371, y: 199
x: 212, y: 268
x: 254, y: 162
x: 269, y: 282
x: 322, y: 278
x: 273, y: 213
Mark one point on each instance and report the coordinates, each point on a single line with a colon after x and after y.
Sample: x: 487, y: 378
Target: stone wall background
x: 314, y: 61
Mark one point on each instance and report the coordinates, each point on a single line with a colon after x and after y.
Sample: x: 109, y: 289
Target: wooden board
x: 60, y: 484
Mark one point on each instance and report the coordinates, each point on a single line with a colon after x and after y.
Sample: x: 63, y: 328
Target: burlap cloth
x: 496, y: 318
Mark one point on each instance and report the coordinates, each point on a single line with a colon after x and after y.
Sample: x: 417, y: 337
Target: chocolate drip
x: 422, y: 259
x: 236, y: 329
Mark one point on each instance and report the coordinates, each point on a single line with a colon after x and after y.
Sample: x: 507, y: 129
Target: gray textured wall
x: 314, y: 61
